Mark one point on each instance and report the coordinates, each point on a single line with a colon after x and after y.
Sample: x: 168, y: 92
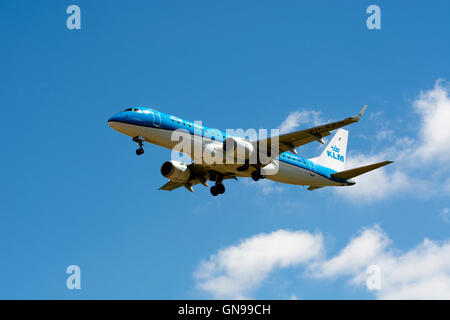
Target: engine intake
x: 176, y: 171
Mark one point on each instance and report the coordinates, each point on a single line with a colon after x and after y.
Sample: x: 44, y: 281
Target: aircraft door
x: 156, y: 118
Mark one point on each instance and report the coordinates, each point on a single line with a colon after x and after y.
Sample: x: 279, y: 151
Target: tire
x: 214, y: 191
x: 255, y: 175
x: 220, y: 188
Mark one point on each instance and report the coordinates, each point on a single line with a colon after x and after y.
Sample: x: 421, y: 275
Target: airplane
x: 144, y: 124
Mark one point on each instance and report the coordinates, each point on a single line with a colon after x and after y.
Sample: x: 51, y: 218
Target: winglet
x: 360, y: 114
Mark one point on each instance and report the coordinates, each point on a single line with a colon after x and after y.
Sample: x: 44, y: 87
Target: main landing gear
x: 218, y: 188
x: 140, y: 141
x: 256, y: 175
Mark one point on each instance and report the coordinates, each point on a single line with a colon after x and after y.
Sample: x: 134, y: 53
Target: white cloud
x: 385, y: 134
x: 235, y: 271
x: 434, y: 135
x: 267, y: 187
x: 376, y: 184
x: 417, y: 158
x: 362, y: 251
x: 295, y: 119
x: 422, y: 272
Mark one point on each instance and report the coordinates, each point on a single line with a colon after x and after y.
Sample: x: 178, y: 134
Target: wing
x: 199, y: 174
x: 290, y: 141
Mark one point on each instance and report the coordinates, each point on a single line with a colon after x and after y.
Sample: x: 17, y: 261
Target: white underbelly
x: 291, y: 174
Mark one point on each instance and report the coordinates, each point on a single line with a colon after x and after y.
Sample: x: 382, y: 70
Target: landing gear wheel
x: 214, y: 191
x: 256, y: 175
x: 140, y: 141
x: 139, y: 151
x: 220, y: 188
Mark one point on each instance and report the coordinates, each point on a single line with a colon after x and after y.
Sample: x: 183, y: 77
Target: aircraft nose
x: 115, y: 119
x: 112, y: 119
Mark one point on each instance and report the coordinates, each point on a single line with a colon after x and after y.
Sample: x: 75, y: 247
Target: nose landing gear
x: 140, y: 141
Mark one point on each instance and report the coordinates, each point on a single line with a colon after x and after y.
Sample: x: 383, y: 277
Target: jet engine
x: 176, y: 171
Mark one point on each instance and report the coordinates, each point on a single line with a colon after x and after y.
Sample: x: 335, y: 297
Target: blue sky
x: 74, y: 192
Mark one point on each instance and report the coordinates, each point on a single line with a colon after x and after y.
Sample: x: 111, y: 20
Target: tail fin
x: 333, y: 156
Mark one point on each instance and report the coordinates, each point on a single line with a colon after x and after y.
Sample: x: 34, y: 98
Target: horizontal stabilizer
x: 348, y: 174
x: 171, y: 185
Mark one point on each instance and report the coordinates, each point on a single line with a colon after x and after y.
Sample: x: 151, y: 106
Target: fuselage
x: 158, y: 128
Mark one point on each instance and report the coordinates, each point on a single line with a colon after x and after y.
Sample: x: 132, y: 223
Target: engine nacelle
x: 176, y: 171
x: 240, y: 148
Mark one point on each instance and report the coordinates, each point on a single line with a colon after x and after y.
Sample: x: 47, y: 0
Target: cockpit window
x: 132, y: 109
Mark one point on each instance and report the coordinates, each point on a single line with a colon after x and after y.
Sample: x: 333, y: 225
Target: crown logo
x: 335, y: 149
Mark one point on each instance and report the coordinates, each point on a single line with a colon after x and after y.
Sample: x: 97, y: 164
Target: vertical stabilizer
x: 333, y: 156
